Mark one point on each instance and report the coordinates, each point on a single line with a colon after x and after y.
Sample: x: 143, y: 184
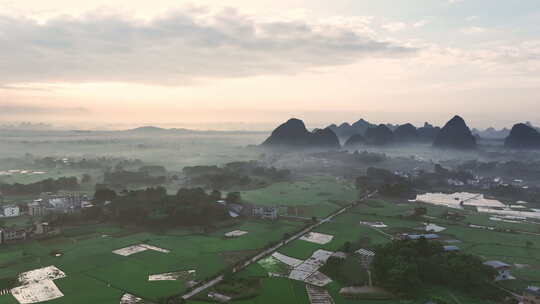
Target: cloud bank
x: 178, y: 47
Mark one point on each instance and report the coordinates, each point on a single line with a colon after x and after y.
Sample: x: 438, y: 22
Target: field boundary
x: 216, y: 280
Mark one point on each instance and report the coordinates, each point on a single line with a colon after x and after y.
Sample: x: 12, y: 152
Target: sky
x: 241, y: 64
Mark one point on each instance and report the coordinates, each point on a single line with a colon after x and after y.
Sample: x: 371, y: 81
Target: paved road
x: 272, y: 249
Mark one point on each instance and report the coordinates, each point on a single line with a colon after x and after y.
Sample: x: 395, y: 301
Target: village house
x: 531, y: 295
x: 451, y: 248
x: 428, y: 236
x: 63, y: 202
x: 366, y: 257
x: 37, y: 208
x: 9, y: 211
x: 503, y: 270
x: 339, y: 255
x: 264, y: 212
x: 9, y: 234
x: 234, y: 210
x: 41, y: 228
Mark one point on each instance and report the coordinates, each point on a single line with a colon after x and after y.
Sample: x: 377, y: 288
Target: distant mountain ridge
x: 346, y: 130
x: 379, y: 136
x: 492, y: 133
x: 294, y: 134
x: 406, y: 133
x: 455, y: 135
x: 523, y: 136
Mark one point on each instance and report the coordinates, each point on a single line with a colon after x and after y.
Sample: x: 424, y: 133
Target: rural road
x: 273, y: 249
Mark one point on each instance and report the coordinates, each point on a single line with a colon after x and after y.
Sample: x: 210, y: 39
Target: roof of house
x: 9, y: 206
x: 496, y: 264
x: 534, y: 290
x: 272, y: 208
x: 451, y: 248
x: 365, y: 252
x: 339, y: 254
x: 236, y: 207
x: 14, y: 229
x: 428, y: 236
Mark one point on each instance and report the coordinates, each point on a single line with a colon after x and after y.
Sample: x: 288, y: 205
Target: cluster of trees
x: 405, y: 266
x: 46, y: 185
x: 122, y: 178
x: 153, y: 207
x: 235, y: 174
x: 347, y: 271
x: 387, y: 183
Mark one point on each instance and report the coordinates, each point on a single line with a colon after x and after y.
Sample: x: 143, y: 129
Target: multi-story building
x: 10, y: 210
x: 264, y: 212
x: 366, y: 257
x: 37, y: 208
x: 12, y: 234
x: 41, y: 228
x: 64, y: 202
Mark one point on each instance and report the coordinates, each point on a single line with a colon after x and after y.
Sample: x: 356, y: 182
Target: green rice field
x: 317, y: 196
x: 96, y: 275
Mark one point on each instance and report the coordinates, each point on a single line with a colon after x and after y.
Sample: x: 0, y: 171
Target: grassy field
x: 96, y: 275
x: 317, y: 196
x: 508, y: 247
x: 103, y: 277
x: 344, y: 228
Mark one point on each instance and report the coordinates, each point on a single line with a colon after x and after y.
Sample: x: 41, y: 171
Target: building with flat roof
x: 450, y: 248
x: 366, y: 257
x: 428, y: 236
x: 37, y: 208
x: 12, y: 234
x: 9, y: 211
x: 531, y: 295
x: 264, y: 212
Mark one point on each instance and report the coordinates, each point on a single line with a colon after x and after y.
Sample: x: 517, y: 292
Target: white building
x: 366, y: 257
x: 264, y: 212
x: 10, y: 210
x: 36, y: 208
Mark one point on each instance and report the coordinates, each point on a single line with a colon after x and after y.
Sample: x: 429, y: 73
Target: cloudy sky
x: 252, y: 64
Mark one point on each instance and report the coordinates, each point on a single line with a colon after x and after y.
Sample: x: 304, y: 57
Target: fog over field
x: 174, y: 149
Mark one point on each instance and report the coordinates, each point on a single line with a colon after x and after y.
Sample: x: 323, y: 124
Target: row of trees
x: 46, y: 185
x: 233, y: 175
x: 154, y: 207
